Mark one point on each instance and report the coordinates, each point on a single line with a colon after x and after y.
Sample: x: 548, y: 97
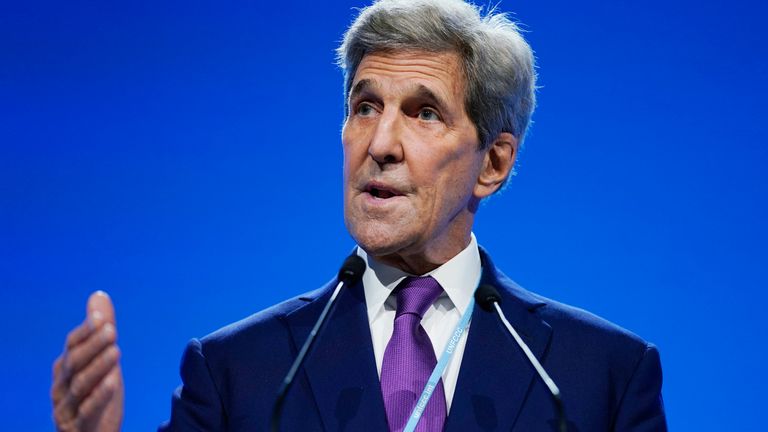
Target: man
x: 438, y: 100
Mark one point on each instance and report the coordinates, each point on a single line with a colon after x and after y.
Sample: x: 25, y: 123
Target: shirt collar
x: 458, y: 277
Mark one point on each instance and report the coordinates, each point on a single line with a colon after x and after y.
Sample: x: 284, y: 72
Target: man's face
x: 411, y: 159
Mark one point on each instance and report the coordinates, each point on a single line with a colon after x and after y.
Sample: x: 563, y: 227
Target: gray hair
x: 497, y: 62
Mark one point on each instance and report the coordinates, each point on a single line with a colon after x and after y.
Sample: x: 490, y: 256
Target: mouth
x: 381, y: 191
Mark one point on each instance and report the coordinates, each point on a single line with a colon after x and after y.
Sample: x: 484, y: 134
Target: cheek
x: 354, y: 152
x: 349, y: 159
x: 454, y: 186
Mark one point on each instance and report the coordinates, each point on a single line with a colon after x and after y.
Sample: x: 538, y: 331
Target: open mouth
x: 382, y: 192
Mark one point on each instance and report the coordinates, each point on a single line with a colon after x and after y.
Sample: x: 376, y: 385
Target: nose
x: 386, y: 145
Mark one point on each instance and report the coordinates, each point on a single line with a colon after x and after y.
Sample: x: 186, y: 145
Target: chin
x: 377, y: 239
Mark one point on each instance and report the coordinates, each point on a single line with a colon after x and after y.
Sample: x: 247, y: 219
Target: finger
x: 81, y: 332
x: 58, y: 387
x: 101, y: 395
x: 99, y: 309
x: 65, y: 413
x: 85, y: 381
x: 80, y: 346
x: 68, y: 395
x: 101, y: 303
x: 81, y: 355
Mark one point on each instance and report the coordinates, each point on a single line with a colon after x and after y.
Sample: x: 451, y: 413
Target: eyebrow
x: 423, y: 92
x: 417, y: 91
x: 362, y: 86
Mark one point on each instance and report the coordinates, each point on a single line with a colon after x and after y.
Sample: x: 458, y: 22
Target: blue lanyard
x: 437, y: 372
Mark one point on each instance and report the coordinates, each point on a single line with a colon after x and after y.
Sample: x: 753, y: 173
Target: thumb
x: 100, y: 309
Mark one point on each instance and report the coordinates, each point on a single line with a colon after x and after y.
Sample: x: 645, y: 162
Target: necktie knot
x: 416, y: 294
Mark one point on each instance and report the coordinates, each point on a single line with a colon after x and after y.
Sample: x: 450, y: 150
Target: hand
x: 87, y: 390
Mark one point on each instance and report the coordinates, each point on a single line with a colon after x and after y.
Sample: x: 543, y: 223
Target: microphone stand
x: 349, y: 274
x: 487, y: 296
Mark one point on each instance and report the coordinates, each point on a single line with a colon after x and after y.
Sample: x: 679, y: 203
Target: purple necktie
x: 409, y: 359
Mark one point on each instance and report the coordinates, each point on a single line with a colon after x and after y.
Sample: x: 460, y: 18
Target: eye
x: 364, y: 109
x: 428, y: 114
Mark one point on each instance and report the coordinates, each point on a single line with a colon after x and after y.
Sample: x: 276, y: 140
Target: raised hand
x: 87, y: 390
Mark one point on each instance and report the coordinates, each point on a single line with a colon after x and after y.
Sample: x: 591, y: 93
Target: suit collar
x: 495, y: 377
x: 341, y: 369
x: 493, y: 383
x: 514, y: 292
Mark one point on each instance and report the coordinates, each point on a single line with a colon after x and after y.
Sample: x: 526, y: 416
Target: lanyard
x: 437, y: 372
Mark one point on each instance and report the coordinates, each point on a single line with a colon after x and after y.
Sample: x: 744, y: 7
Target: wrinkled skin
x: 413, y: 171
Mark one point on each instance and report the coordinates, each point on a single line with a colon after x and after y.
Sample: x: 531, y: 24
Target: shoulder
x: 580, y: 341
x: 601, y: 367
x: 575, y: 322
x: 224, y: 372
x: 591, y: 357
x: 573, y: 325
x: 262, y: 328
x: 566, y: 321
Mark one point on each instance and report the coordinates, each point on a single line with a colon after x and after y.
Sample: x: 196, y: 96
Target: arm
x: 641, y: 408
x: 196, y: 404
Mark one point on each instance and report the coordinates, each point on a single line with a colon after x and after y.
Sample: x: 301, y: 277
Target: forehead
x: 409, y: 71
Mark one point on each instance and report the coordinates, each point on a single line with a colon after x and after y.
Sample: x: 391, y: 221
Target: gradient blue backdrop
x: 185, y: 157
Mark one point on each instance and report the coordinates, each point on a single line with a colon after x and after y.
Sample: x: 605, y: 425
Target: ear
x: 497, y: 165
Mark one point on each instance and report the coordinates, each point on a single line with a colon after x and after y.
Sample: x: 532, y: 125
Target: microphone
x: 349, y: 274
x: 489, y: 299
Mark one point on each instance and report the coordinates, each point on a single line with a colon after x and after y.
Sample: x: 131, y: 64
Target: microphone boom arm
x: 288, y: 380
x: 350, y: 273
x: 532, y: 358
x: 553, y: 389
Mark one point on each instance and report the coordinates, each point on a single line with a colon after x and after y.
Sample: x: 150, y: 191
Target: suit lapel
x: 341, y: 369
x: 495, y: 377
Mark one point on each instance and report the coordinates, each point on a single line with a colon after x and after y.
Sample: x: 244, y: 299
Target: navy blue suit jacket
x: 610, y: 379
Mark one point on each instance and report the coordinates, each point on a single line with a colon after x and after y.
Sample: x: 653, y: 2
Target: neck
x: 425, y: 260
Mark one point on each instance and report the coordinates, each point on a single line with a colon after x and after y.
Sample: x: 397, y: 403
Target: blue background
x: 185, y: 157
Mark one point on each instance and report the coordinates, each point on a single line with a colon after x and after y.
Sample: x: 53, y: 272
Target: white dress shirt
x: 458, y: 277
